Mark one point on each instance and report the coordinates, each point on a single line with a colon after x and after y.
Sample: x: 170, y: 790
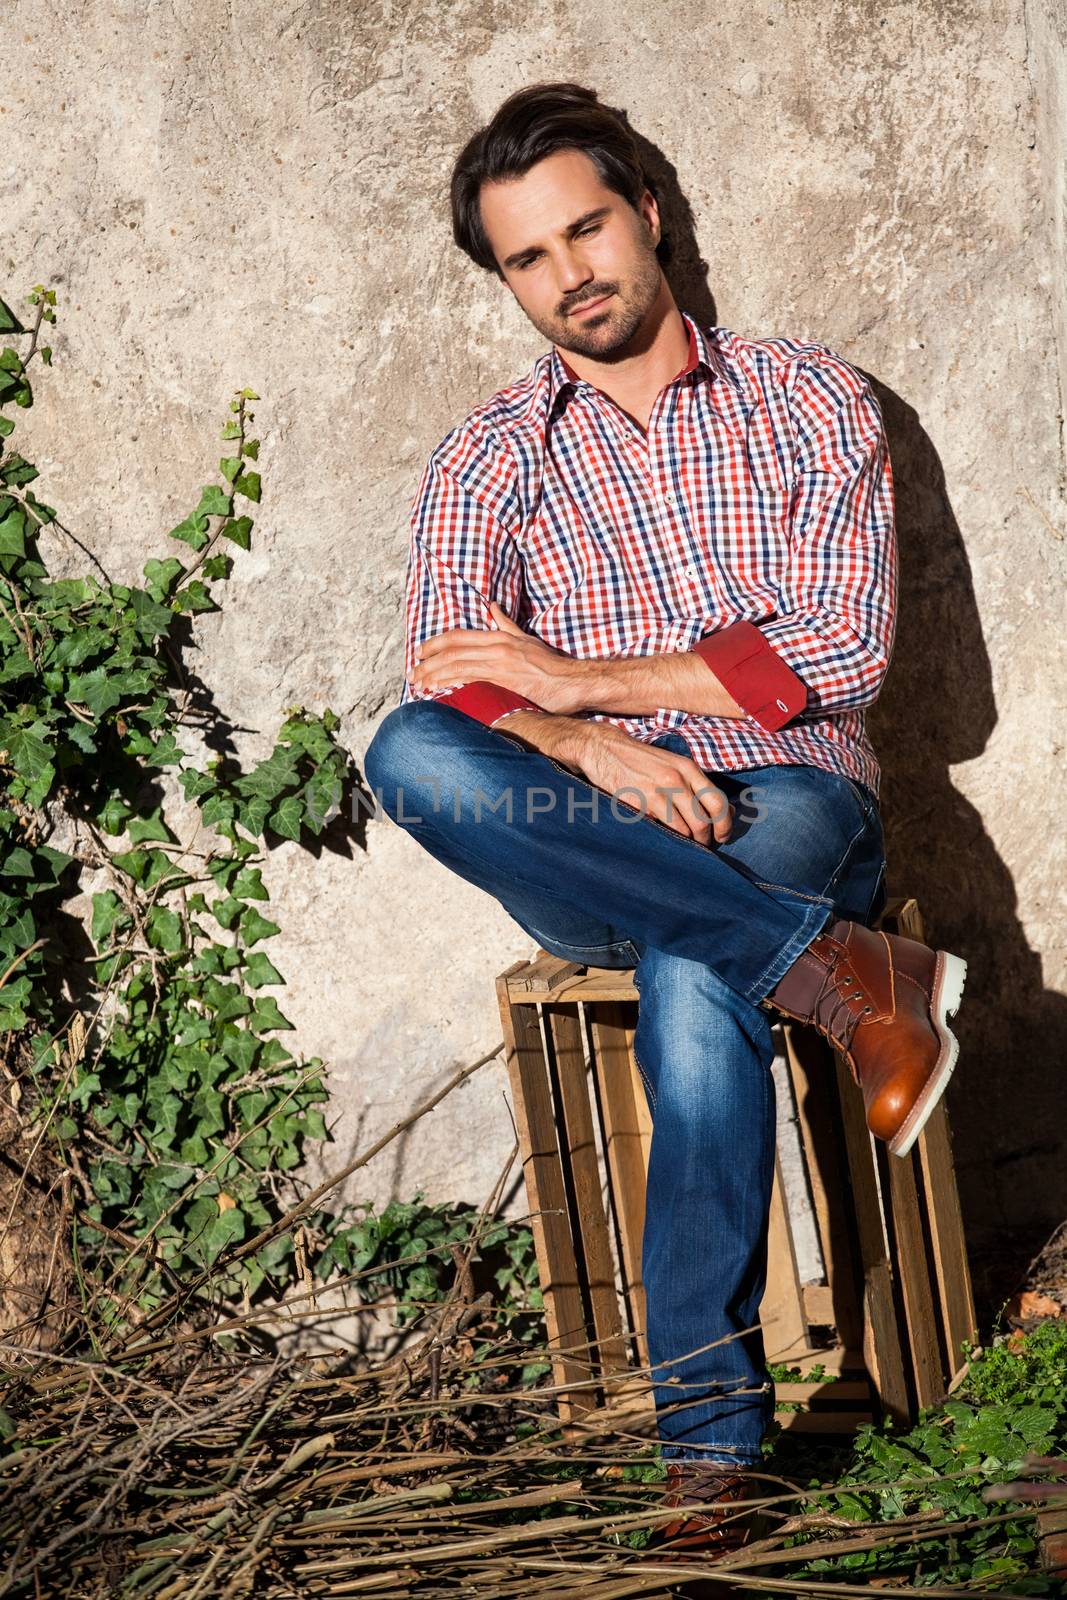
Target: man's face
x: 564, y: 241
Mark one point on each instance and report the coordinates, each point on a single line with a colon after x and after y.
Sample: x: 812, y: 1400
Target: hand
x: 505, y: 655
x: 671, y: 788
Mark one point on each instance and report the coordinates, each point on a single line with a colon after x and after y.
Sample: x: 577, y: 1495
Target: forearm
x: 557, y: 736
x: 641, y: 685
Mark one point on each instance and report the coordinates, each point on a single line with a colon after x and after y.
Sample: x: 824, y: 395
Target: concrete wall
x: 256, y: 195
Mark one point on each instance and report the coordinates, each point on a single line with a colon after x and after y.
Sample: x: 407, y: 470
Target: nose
x: 572, y: 272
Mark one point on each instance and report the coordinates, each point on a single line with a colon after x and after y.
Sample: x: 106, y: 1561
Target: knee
x: 703, y: 1043
x: 400, y: 758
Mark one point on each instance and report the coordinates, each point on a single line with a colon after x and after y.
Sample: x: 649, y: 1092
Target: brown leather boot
x: 883, y: 1001
x: 713, y: 1521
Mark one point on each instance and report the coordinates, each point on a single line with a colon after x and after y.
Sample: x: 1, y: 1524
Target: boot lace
x: 841, y: 1002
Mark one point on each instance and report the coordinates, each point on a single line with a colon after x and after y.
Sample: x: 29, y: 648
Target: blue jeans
x: 709, y: 930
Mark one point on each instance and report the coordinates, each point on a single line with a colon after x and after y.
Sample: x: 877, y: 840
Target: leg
x: 704, y: 1053
x: 515, y: 822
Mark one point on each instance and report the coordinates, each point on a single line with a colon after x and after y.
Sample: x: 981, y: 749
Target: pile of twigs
x: 179, y: 1462
x: 199, y: 1476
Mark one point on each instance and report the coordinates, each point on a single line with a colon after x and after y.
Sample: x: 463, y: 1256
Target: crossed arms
x: 825, y: 650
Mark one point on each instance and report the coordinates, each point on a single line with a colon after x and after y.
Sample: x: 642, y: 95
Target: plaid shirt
x: 753, y: 523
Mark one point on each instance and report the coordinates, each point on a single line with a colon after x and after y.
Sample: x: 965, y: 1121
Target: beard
x: 605, y: 335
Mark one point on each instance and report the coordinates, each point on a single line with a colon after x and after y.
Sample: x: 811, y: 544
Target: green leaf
x: 248, y: 484
x: 107, y: 911
x: 230, y: 466
x: 193, y: 532
x: 164, y: 929
x: 13, y: 533
x: 214, y: 502
x: 9, y: 323
x: 287, y: 818
x: 249, y: 884
x: 194, y: 597
x: 28, y: 752
x: 259, y: 970
x: 264, y: 1015
x: 150, y: 827
x: 239, y: 529
x: 161, y: 574
x: 255, y: 927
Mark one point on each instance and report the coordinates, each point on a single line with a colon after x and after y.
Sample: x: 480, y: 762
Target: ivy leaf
x: 101, y: 690
x: 214, y: 502
x: 248, y: 484
x: 249, y: 884
x: 107, y: 911
x: 264, y: 1015
x: 239, y: 529
x: 150, y: 827
x: 287, y: 818
x: 255, y: 927
x: 194, y: 597
x: 259, y: 971
x: 164, y: 929
x: 13, y: 533
x: 230, y: 466
x: 28, y: 752
x: 193, y: 532
x: 9, y: 323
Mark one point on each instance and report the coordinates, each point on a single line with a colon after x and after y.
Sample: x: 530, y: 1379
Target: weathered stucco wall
x: 257, y: 195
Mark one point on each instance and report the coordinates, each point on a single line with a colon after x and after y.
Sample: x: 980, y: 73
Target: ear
x: 649, y: 209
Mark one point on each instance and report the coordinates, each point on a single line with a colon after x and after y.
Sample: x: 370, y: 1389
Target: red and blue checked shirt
x: 752, y: 523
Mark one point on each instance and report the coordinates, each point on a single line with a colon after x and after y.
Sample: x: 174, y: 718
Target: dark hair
x: 531, y: 124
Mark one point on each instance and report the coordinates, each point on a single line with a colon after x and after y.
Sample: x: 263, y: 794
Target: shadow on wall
x: 937, y: 709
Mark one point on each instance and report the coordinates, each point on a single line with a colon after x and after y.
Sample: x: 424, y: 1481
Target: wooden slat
x: 882, y: 1346
x: 593, y: 983
x: 811, y: 1069
x: 819, y: 1304
x: 621, y: 1124
x: 550, y: 1224
x: 643, y: 1113
x: 947, y: 1243
x: 938, y: 1198
x: 782, y: 1307
x: 822, y: 1421
x: 565, y: 1031
x: 913, y: 1276
x: 544, y: 974
x: 836, y: 1389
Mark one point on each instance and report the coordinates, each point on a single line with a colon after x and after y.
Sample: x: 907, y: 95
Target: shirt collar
x: 702, y: 355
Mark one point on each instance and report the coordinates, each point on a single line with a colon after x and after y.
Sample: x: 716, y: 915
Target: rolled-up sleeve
x: 836, y: 614
x: 461, y: 555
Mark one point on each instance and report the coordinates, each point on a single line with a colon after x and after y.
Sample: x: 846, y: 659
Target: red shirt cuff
x: 754, y: 673
x: 486, y: 701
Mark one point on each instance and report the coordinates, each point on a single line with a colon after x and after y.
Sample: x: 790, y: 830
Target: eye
x: 592, y: 227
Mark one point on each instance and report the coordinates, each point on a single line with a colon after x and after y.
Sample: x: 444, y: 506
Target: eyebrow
x: 571, y: 229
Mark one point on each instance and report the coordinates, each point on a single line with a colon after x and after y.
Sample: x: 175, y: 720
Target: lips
x: 591, y: 305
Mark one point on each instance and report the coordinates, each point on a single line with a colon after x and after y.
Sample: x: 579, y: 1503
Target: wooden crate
x: 895, y: 1303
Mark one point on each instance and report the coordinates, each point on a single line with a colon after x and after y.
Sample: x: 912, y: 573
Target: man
x: 661, y: 568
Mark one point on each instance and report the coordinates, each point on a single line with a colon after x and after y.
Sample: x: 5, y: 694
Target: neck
x: 635, y: 375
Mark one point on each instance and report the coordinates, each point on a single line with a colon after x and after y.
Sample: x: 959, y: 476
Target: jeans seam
x: 621, y: 947
x: 645, y: 1079
x: 785, y: 958
x: 839, y: 870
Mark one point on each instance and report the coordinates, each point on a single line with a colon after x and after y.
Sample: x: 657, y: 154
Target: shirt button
x: 669, y: 497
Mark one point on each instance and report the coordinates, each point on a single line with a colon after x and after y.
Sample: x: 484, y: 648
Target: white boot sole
x: 949, y: 978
